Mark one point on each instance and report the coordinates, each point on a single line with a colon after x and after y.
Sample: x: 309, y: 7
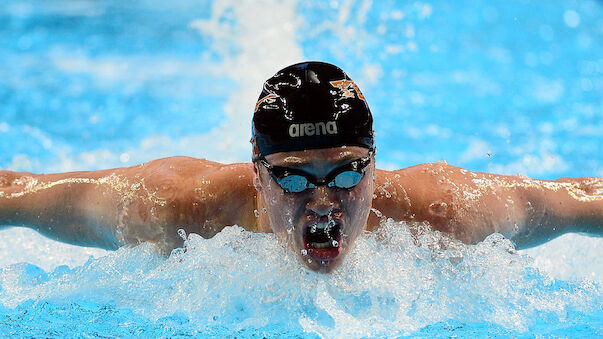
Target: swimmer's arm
x: 149, y: 202
x: 60, y: 206
x: 553, y: 208
x: 471, y: 205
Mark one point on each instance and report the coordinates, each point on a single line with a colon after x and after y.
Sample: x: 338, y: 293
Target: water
x: 240, y: 282
x: 490, y: 86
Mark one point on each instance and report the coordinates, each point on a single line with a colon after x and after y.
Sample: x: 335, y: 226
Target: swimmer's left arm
x: 472, y: 205
x: 553, y: 208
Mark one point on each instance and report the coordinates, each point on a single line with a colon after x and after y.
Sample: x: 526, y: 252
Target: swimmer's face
x: 319, y: 224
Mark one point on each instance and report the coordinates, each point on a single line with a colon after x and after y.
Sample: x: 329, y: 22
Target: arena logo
x: 312, y: 128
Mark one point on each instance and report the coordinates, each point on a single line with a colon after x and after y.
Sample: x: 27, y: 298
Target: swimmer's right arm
x: 149, y: 202
x: 55, y: 205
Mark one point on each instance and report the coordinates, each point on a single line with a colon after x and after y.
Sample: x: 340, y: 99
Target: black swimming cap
x: 310, y: 105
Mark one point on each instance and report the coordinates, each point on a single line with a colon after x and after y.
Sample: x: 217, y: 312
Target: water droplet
x: 264, y: 210
x: 377, y: 212
x: 310, y: 261
x: 182, y: 234
x: 304, y: 252
x: 289, y: 230
x: 335, y: 243
x: 256, y: 213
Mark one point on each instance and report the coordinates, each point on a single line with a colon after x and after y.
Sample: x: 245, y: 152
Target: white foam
x: 570, y: 257
x: 392, y: 283
x: 23, y: 245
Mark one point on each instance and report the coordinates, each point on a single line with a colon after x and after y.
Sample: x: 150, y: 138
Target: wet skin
x: 151, y: 201
x: 294, y: 216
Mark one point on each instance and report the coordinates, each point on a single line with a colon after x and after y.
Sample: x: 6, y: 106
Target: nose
x: 323, y: 201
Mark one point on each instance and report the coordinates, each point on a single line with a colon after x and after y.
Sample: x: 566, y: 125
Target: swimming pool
x: 490, y: 86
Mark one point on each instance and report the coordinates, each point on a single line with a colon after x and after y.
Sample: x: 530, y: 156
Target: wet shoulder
x: 424, y: 192
x: 424, y: 179
x: 183, y: 176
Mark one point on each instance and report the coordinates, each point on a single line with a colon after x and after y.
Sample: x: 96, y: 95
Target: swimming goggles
x: 294, y: 180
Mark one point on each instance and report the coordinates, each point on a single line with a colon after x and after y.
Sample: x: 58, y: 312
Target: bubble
x: 4, y: 127
x: 571, y: 18
x: 124, y: 157
x: 377, y: 212
x: 546, y: 32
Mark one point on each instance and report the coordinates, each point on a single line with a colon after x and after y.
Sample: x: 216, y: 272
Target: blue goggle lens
x: 347, y: 179
x: 295, y: 183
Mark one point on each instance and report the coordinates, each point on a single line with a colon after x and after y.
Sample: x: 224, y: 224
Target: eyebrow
x: 297, y: 162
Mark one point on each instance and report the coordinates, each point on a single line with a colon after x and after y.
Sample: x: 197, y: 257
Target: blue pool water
x: 496, y: 86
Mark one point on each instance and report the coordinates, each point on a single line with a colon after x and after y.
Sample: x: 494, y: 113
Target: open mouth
x: 322, y: 239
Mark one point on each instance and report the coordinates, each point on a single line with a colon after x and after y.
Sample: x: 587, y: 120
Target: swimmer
x: 312, y: 182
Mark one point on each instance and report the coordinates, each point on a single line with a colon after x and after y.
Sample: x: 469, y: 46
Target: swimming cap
x: 310, y: 105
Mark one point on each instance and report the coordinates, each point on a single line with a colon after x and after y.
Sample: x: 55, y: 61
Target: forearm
x: 530, y: 211
x: 55, y: 206
x: 558, y: 207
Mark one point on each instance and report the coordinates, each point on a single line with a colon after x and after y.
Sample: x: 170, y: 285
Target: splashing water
x: 394, y: 282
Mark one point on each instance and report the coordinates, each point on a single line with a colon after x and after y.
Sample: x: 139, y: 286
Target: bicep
x: 468, y: 205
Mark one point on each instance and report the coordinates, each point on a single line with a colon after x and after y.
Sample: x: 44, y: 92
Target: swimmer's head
x: 310, y: 105
x: 313, y: 152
